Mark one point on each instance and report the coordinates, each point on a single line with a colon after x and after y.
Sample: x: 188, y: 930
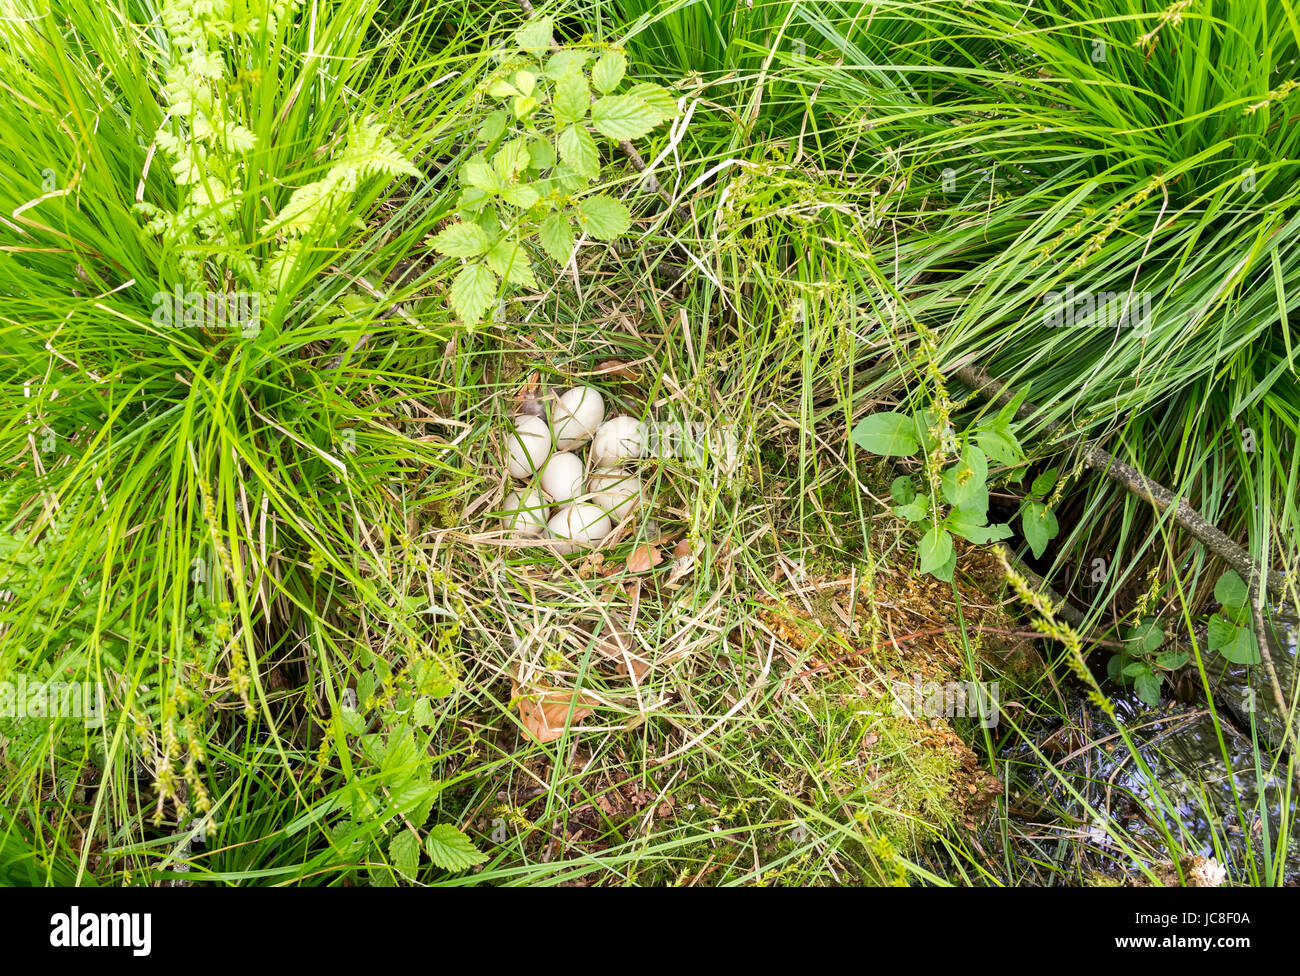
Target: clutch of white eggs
x: 566, y: 504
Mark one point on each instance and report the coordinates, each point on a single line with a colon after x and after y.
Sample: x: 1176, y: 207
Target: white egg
x: 525, y: 513
x: 618, y: 440
x: 577, y: 414
x: 529, y: 445
x: 562, y: 477
x: 578, y: 526
x: 616, y: 491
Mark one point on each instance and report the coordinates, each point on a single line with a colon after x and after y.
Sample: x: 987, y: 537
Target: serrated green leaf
x: 572, y: 99
x: 473, y: 292
x: 1039, y: 526
x: 461, y: 240
x: 565, y: 61
x: 578, y: 149
x: 603, y: 217
x: 525, y: 81
x: 658, y: 98
x: 535, y: 36
x: 450, y: 849
x: 886, y: 433
x: 556, y: 236
x: 510, y: 261
x: 511, y: 159
x: 524, y: 106
x: 935, y: 549
x: 1231, y: 590
x: 623, y: 116
x: 404, y: 853
x: 521, y: 195
x: 608, y: 71
x: 478, y: 173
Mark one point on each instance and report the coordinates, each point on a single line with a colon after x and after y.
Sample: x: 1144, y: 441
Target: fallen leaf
x: 544, y: 710
x: 644, y: 558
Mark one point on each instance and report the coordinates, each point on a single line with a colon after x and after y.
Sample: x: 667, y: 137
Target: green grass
x: 238, y: 534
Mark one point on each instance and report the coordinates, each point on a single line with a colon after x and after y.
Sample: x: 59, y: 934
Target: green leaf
x: 565, y: 61
x: 493, y: 126
x: 353, y: 722
x: 524, y: 106
x: 556, y: 235
x: 512, y: 158
x: 521, y: 195
x: 902, y: 489
x: 404, y: 853
x: 935, y: 549
x: 915, y: 510
x: 604, y: 218
x: 572, y: 99
x: 886, y: 433
x: 1044, y: 483
x: 1145, y: 637
x: 535, y: 36
x: 1172, y: 659
x: 510, y: 261
x: 1001, y: 445
x: 578, y: 149
x: 478, y: 173
x: 608, y: 71
x: 461, y: 240
x: 473, y: 292
x: 1039, y: 526
x: 1237, y: 644
x: 970, y: 525
x: 541, y: 154
x: 623, y: 116
x: 966, y: 482
x: 1147, y: 686
x: 525, y: 81
x: 1231, y: 590
x: 657, y: 98
x: 450, y: 849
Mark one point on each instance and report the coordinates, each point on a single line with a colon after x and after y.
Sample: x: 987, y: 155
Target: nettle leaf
x: 886, y: 433
x: 1231, y: 590
x: 572, y: 98
x: 604, y: 217
x: 461, y: 241
x: 578, y: 149
x: 902, y: 489
x: 1039, y: 526
x: 510, y: 261
x: 404, y: 852
x: 623, y: 116
x: 936, y: 550
x: 450, y: 849
x: 535, y: 36
x: 966, y: 482
x: 473, y: 292
x: 556, y: 235
x: 608, y: 71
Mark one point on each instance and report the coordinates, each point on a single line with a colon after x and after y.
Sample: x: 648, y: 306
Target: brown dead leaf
x: 544, y: 709
x: 644, y: 558
x: 618, y: 368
